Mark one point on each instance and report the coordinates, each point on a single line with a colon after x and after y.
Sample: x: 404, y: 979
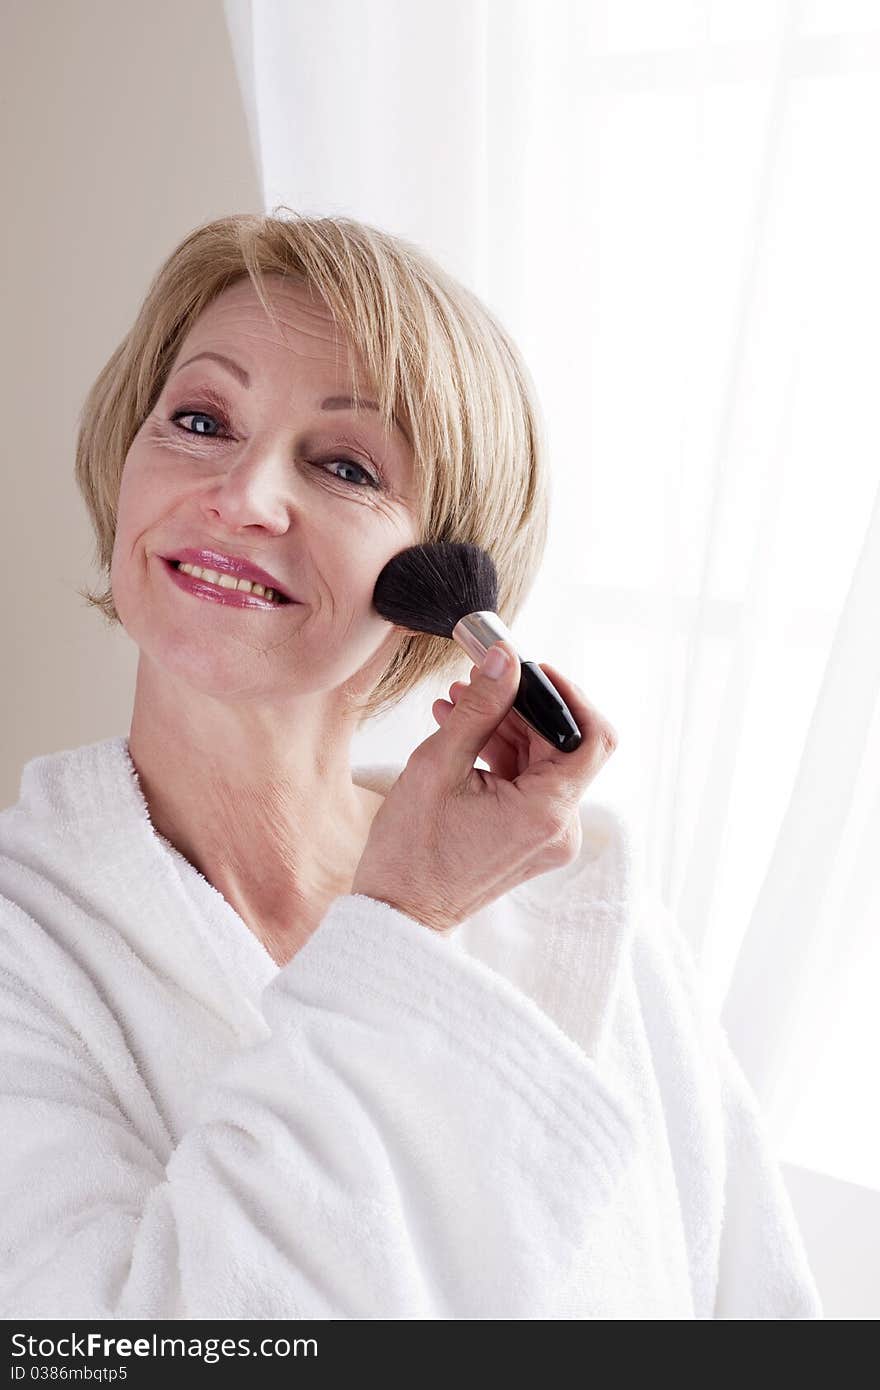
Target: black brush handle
x: 542, y: 707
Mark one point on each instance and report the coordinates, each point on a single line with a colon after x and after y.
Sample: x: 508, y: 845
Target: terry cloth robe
x: 532, y: 1116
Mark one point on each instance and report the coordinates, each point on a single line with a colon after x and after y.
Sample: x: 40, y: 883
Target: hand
x: 449, y: 837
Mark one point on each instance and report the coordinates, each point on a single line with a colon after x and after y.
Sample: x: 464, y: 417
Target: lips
x: 230, y: 564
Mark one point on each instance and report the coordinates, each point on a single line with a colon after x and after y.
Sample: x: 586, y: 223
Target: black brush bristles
x: 427, y: 588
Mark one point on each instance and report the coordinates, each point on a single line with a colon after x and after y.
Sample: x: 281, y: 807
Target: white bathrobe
x: 533, y: 1116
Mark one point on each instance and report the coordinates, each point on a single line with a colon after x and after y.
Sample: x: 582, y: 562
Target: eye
x: 351, y: 463
x: 369, y: 479
x: 196, y: 415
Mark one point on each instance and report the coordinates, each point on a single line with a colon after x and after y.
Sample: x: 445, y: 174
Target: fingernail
x: 494, y: 662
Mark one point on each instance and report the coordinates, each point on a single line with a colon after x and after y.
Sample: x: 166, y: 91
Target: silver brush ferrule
x: 476, y: 632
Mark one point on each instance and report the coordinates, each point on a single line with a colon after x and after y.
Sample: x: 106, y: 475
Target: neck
x: 263, y: 806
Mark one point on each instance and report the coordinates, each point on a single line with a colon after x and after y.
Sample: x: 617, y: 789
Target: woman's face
x: 319, y: 497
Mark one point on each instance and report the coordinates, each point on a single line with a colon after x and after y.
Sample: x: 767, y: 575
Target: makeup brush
x: 450, y: 589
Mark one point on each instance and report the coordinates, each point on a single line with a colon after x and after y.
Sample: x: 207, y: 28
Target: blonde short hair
x: 434, y: 354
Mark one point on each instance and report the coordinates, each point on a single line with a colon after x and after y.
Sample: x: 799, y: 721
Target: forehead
x: 305, y: 329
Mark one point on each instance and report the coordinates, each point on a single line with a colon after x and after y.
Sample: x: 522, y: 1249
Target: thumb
x: 479, y: 709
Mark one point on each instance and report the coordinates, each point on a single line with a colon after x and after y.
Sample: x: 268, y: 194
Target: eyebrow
x: 331, y: 403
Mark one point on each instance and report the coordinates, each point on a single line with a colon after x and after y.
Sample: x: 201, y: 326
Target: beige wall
x: 123, y: 129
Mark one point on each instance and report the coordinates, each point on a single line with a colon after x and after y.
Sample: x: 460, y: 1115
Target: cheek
x: 126, y: 521
x: 132, y: 490
x: 140, y: 503
x: 146, y: 495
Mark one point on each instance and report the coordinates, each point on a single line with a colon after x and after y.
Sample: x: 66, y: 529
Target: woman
x: 287, y: 1039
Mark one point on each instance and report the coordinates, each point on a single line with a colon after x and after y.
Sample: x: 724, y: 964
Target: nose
x: 255, y: 489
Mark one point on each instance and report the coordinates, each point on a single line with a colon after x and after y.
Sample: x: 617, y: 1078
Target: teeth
x: 229, y: 581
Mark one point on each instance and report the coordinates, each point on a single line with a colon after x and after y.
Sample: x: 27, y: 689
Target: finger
x: 518, y: 732
x: 477, y: 712
x: 583, y: 709
x: 503, y: 758
x: 509, y: 744
x: 572, y: 772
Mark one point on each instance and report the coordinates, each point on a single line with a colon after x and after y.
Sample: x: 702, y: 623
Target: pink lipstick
x: 216, y: 593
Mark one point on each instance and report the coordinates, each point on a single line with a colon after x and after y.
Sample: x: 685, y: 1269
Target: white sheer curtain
x: 673, y: 205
